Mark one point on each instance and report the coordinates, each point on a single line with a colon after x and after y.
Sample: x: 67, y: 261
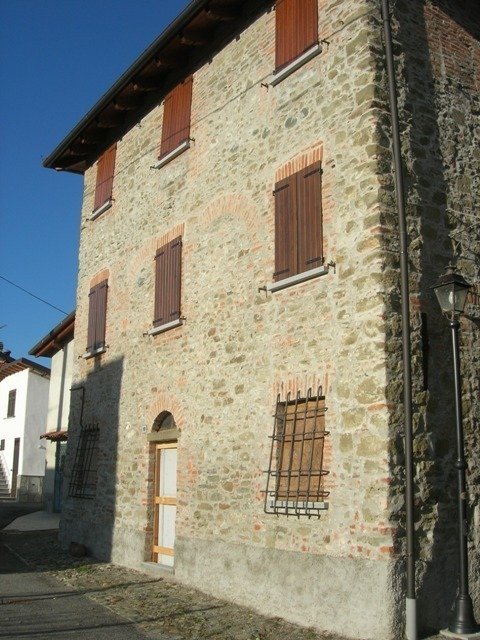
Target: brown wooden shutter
x: 309, y: 217
x: 296, y: 29
x: 105, y: 171
x: 97, y: 316
x: 176, y: 116
x: 285, y: 228
x: 168, y: 278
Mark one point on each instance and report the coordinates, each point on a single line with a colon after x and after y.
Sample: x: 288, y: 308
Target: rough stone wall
x: 438, y: 70
x: 220, y: 372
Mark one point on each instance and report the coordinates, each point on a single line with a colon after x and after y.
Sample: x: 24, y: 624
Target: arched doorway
x: 164, y: 434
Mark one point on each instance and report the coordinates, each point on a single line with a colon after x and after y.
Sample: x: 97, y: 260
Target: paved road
x: 35, y: 606
x: 9, y: 510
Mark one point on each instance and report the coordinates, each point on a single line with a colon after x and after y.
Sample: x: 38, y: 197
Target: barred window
x: 295, y: 481
x: 83, y: 483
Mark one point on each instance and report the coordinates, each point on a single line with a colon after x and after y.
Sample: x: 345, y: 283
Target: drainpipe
x: 411, y: 602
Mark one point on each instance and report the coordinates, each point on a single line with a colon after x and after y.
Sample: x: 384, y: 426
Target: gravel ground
x: 163, y: 609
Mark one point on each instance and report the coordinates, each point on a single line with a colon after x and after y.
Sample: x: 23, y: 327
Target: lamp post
x: 451, y: 290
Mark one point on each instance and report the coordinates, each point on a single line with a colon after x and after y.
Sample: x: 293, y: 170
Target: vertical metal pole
x: 411, y: 602
x: 463, y: 618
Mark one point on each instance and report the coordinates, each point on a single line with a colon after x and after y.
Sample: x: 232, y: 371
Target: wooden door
x: 165, y: 503
x: 16, y: 455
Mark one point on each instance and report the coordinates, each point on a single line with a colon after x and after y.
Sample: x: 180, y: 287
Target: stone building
x: 238, y: 307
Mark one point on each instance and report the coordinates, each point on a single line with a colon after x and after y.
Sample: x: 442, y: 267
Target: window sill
x: 164, y: 327
x: 284, y: 72
x: 95, y: 352
x: 302, y: 507
x: 297, y: 278
x: 101, y: 209
x: 183, y: 146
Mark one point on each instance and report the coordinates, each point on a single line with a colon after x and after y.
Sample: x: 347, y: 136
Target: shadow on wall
x: 90, y: 476
x: 437, y: 103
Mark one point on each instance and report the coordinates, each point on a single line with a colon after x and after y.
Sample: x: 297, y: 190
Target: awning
x: 55, y: 436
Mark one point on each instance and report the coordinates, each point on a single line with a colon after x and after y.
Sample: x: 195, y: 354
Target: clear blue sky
x: 57, y: 58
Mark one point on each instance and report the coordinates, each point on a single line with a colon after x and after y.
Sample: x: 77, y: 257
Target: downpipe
x: 411, y: 627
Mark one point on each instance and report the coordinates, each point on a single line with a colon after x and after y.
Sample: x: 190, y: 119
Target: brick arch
x: 165, y: 402
x: 146, y: 254
x: 104, y: 274
x: 300, y: 161
x: 236, y: 204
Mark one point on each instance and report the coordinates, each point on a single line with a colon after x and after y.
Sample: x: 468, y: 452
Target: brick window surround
x: 176, y: 120
x: 298, y: 222
x: 296, y: 29
x: 104, y: 182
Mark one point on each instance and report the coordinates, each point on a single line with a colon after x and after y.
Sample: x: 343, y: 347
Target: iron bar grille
x: 83, y: 483
x: 295, y: 476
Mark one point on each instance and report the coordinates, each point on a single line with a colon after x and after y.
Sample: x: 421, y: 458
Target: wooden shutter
x: 285, y: 228
x: 176, y: 116
x: 97, y: 316
x: 105, y: 171
x: 296, y: 29
x: 309, y: 216
x: 168, y: 279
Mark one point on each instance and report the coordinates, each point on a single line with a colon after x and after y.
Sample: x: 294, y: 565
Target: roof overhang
x: 203, y: 28
x: 56, y: 338
x: 9, y: 368
x: 55, y: 436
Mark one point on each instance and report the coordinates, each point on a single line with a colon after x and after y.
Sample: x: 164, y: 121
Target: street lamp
x: 451, y: 291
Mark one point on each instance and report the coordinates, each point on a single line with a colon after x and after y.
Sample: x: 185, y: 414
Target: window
x: 176, y: 120
x: 97, y: 315
x: 296, y: 24
x: 2, y: 445
x: 12, y: 397
x: 168, y: 280
x: 298, y: 223
x: 83, y: 483
x: 295, y: 483
x: 104, y: 184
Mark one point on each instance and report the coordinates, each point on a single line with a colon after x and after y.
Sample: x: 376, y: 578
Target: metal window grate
x: 295, y: 476
x: 83, y: 483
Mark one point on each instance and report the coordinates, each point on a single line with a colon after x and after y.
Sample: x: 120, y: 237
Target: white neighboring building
x: 23, y: 415
x: 58, y: 345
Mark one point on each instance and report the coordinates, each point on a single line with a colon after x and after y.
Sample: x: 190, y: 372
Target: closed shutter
x: 309, y: 212
x: 97, y: 316
x: 105, y: 171
x: 176, y: 116
x: 168, y: 279
x: 285, y: 228
x: 296, y: 29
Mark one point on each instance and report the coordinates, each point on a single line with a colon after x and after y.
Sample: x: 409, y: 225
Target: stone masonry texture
x: 238, y: 348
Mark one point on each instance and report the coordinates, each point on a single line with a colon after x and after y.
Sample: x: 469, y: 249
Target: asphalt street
x: 33, y: 605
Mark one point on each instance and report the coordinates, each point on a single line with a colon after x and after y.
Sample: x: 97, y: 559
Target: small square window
x: 12, y: 398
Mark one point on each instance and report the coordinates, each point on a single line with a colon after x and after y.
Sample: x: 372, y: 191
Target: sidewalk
x: 37, y: 521
x: 160, y: 608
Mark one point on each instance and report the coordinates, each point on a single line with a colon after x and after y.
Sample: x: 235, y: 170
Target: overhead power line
x: 33, y: 295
